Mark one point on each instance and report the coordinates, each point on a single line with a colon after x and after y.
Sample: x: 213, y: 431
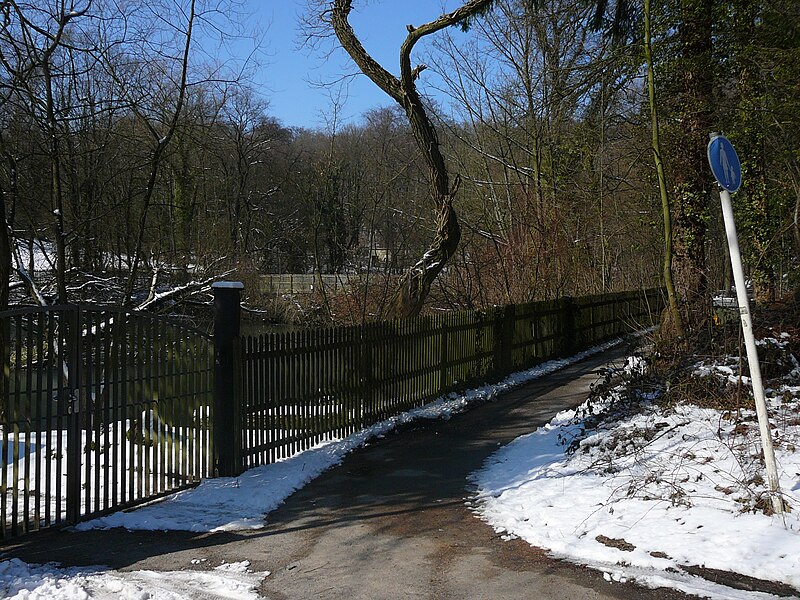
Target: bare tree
x: 416, y: 283
x: 162, y: 138
x: 5, y: 253
x: 540, y: 127
x: 673, y: 313
x: 32, y: 34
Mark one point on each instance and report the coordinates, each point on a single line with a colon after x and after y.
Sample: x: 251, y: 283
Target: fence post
x: 71, y: 392
x: 570, y: 343
x: 226, y: 422
x: 497, y: 333
x: 444, y: 382
x: 507, y: 339
x: 366, y: 367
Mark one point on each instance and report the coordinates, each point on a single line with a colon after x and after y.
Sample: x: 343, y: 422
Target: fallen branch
x: 156, y: 300
x: 27, y: 278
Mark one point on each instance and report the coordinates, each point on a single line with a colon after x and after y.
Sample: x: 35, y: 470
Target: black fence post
x: 71, y: 391
x: 497, y: 335
x: 444, y: 354
x: 505, y: 323
x: 367, y: 333
x: 570, y: 344
x: 226, y: 423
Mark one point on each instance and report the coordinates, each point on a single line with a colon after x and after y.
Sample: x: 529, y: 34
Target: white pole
x: 752, y: 354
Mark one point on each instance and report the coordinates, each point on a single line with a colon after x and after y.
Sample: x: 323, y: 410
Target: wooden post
x: 510, y: 326
x: 366, y: 379
x: 444, y: 382
x: 497, y: 331
x: 570, y: 343
x: 226, y: 423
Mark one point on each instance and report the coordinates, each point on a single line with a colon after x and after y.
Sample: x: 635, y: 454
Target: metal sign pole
x: 726, y: 168
x: 752, y: 354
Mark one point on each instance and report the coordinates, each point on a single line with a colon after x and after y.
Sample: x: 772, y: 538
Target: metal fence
x: 100, y: 409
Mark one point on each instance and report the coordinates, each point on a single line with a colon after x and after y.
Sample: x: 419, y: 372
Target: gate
x: 100, y: 409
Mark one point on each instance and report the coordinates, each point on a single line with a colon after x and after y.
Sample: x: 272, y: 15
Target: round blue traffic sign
x: 724, y: 163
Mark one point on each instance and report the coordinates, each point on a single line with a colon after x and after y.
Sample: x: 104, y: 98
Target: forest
x: 532, y: 150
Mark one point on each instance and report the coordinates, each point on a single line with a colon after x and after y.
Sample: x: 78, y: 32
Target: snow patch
x: 643, y: 497
x: 21, y: 581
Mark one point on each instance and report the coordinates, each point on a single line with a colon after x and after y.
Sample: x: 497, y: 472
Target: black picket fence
x: 102, y: 409
x: 295, y: 389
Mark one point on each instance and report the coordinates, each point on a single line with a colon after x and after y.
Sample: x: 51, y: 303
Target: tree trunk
x: 160, y: 147
x: 689, y: 167
x: 5, y: 254
x: 416, y: 283
x: 56, y: 190
x: 758, y: 224
x: 673, y: 314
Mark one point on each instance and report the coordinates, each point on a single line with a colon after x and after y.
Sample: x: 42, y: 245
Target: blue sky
x: 286, y: 78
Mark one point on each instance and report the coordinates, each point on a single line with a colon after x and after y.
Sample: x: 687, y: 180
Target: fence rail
x: 299, y: 388
x: 101, y: 409
x: 292, y: 283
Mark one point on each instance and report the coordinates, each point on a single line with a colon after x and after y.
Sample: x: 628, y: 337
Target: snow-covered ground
x: 20, y: 581
x: 644, y: 496
x: 42, y: 456
x: 43, y: 256
x: 639, y: 498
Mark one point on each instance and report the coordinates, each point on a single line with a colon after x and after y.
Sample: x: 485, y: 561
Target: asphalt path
x: 392, y: 521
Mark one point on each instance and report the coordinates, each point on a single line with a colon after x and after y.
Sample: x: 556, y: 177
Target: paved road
x: 390, y: 522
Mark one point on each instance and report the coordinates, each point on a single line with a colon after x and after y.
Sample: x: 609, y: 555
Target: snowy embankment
x: 654, y: 495
x: 227, y: 504
x: 20, y: 581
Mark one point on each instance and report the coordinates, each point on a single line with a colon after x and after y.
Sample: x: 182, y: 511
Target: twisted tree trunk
x: 416, y: 282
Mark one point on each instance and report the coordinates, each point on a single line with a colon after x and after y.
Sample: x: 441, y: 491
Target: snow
x: 20, y: 581
x: 644, y: 496
x: 231, y: 503
x: 42, y: 455
x: 42, y: 253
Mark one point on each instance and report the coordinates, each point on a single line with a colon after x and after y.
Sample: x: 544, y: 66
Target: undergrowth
x: 627, y: 424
